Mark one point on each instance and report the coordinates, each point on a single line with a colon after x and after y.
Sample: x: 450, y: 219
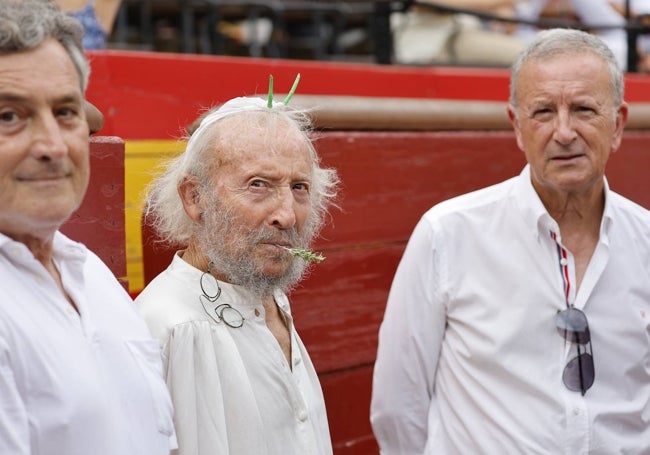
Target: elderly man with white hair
x: 246, y: 196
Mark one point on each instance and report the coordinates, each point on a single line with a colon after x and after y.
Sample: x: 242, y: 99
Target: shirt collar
x: 63, y: 248
x: 240, y: 297
x: 537, y: 217
x: 67, y: 249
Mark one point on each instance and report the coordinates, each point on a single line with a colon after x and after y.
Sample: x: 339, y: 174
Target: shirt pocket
x: 147, y: 355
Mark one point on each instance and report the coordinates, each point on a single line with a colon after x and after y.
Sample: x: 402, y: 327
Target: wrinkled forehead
x: 588, y: 66
x: 577, y: 74
x: 268, y: 131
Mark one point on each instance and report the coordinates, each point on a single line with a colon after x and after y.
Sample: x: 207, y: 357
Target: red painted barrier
x: 99, y: 222
x: 146, y: 95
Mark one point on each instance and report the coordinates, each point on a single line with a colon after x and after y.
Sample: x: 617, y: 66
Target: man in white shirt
x: 423, y: 35
x: 79, y: 371
x: 246, y: 195
x: 519, y: 317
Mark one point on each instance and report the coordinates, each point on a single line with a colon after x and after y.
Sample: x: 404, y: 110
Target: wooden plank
x: 169, y: 90
x: 389, y: 179
x: 99, y: 221
x: 347, y: 397
x: 338, y: 309
x: 628, y: 170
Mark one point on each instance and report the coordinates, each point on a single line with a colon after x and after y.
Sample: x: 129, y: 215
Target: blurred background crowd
x: 425, y: 32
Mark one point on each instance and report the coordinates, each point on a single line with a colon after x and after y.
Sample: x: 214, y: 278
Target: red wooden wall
x: 146, y: 95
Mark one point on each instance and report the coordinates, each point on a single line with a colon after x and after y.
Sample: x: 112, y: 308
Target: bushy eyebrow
x: 10, y: 97
x: 14, y: 98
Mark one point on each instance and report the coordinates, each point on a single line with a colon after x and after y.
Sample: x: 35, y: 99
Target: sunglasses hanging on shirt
x: 579, y: 373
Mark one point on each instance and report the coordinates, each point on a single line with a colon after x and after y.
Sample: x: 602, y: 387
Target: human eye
x: 10, y: 119
x: 542, y: 113
x: 67, y: 113
x: 8, y: 116
x: 257, y: 185
x: 585, y: 110
x: 301, y: 186
x: 301, y: 191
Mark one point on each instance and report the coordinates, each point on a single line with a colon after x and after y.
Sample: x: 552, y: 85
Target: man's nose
x: 565, y: 131
x: 284, y: 213
x: 47, y: 138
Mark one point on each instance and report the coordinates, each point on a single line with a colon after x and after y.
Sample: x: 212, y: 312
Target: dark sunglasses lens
x: 572, y: 373
x: 572, y: 325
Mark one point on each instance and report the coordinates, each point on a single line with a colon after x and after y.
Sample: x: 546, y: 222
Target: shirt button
x: 576, y: 411
x: 302, y: 415
x: 563, y: 261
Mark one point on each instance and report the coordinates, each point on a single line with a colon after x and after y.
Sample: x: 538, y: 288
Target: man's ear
x: 189, y: 191
x: 94, y: 117
x: 621, y: 121
x: 514, y: 121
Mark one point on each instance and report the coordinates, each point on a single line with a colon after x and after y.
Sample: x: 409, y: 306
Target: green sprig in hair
x: 269, y: 103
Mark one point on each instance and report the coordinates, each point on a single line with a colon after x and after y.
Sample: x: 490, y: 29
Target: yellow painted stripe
x: 141, y: 164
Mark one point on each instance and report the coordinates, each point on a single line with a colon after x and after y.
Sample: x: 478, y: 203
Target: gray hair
x: 164, y: 209
x: 554, y: 42
x: 26, y: 24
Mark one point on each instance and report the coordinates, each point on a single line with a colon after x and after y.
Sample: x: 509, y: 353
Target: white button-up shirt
x: 76, y: 383
x: 233, y: 391
x: 469, y: 358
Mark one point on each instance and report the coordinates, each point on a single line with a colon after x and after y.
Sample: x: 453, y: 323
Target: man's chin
x: 275, y: 272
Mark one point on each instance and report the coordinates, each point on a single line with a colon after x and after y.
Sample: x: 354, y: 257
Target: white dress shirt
x: 76, y: 383
x: 233, y: 391
x: 470, y: 360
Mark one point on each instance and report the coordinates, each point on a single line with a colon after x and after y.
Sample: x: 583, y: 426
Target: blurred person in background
x: 97, y: 18
x: 640, y: 12
x: 587, y: 13
x: 422, y: 35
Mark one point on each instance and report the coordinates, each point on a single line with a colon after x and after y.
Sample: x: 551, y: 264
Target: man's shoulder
x: 164, y: 290
x: 167, y: 301
x: 631, y: 212
x: 623, y: 203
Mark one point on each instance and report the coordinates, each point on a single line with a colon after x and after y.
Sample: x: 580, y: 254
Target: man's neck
x: 579, y: 219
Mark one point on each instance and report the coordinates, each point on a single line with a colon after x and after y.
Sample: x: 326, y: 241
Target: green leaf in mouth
x: 305, y: 255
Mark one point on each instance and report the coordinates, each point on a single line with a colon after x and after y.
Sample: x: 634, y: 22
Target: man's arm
x: 403, y: 405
